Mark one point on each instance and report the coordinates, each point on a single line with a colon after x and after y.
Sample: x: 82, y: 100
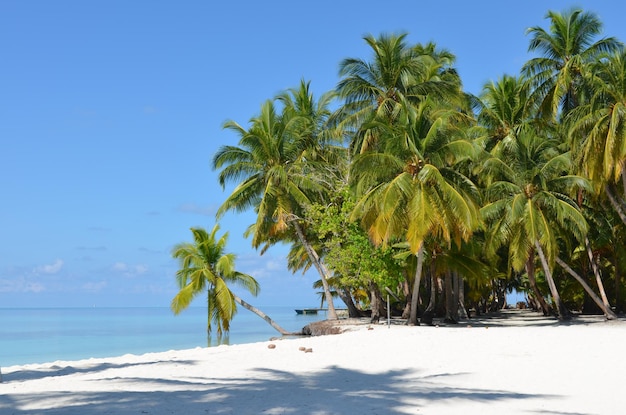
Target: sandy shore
x: 519, y: 363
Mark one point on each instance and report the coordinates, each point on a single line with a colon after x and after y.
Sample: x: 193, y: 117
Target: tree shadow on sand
x: 55, y: 370
x: 529, y: 318
x: 331, y: 391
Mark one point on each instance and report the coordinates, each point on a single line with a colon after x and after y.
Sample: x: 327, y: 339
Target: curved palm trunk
x: 596, y: 272
x: 262, y: 315
x: 346, y: 297
x: 416, y: 286
x: 608, y: 313
x: 321, y: 268
x: 530, y: 271
x: 563, y: 313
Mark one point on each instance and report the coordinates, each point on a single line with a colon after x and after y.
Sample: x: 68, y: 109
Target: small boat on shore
x: 307, y: 311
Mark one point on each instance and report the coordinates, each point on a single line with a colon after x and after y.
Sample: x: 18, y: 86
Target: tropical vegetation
x: 398, y: 182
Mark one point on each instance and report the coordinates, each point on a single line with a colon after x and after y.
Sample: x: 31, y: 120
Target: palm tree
x: 410, y: 189
x: 205, y: 267
x: 504, y: 112
x: 566, y: 49
x: 503, y: 108
x: 384, y: 88
x: 598, y: 130
x: 528, y: 199
x: 272, y: 167
x: 396, y: 106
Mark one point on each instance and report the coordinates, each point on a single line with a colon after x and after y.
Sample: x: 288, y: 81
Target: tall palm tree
x: 527, y: 200
x: 272, y: 166
x: 598, y: 130
x: 566, y: 49
x: 410, y: 190
x: 205, y: 267
x: 384, y: 87
x: 503, y: 109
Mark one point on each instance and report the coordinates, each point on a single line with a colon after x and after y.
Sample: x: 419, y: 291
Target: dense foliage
x: 412, y: 187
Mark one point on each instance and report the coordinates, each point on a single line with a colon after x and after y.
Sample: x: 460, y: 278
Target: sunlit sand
x: 516, y: 363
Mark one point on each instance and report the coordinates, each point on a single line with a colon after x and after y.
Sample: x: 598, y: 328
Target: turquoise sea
x: 40, y: 335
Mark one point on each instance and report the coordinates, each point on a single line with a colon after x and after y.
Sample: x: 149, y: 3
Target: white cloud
x: 50, y: 268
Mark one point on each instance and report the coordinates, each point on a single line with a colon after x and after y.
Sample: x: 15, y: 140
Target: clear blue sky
x: 110, y: 112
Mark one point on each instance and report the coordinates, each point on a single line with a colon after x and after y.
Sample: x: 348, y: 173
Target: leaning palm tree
x: 205, y: 267
x: 272, y: 167
x: 566, y: 49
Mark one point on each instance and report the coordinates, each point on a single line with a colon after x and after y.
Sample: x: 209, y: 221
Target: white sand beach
x: 520, y: 363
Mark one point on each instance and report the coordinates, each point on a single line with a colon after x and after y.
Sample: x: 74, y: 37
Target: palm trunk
x: 450, y: 298
x: 563, y: 313
x: 538, y: 297
x: 406, y: 311
x: 618, y: 303
x: 429, y: 313
x: 346, y: 297
x: 596, y: 272
x: 262, y: 315
x: 321, y: 268
x: 461, y: 296
x: 608, y: 313
x: 615, y: 203
x: 416, y: 286
x: 375, y: 303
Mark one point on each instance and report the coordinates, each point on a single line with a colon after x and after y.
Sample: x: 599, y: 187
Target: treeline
x: 399, y: 183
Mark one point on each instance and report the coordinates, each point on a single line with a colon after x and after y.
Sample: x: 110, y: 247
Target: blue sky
x: 110, y: 112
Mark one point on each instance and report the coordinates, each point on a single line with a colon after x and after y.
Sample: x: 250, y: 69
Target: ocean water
x: 40, y: 335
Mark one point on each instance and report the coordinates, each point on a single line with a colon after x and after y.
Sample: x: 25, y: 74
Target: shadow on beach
x: 58, y: 371
x: 511, y: 318
x: 333, y: 390
x: 529, y: 318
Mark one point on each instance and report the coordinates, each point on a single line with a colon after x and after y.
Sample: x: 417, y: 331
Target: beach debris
x: 370, y: 328
x: 271, y: 346
x: 309, y: 350
x: 302, y: 348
